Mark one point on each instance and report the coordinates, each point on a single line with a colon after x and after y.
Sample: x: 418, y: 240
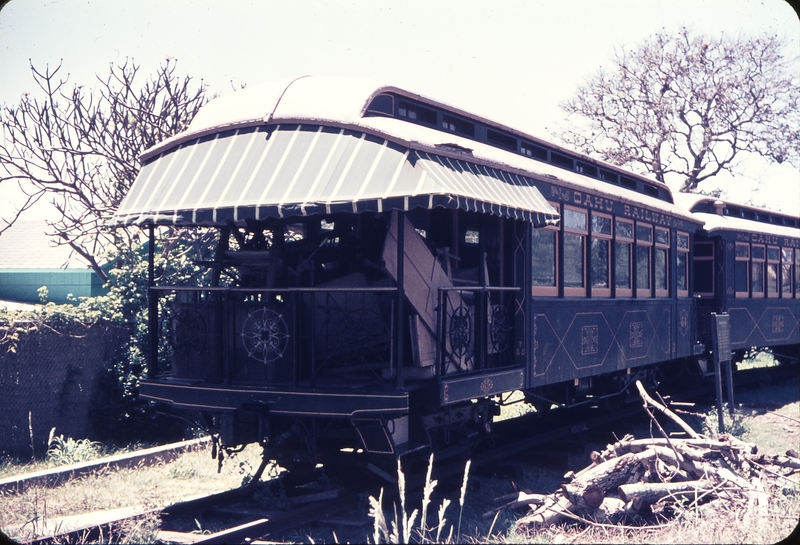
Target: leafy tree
x: 686, y: 107
x: 80, y: 148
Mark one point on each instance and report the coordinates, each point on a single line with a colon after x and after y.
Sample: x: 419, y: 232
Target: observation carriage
x: 388, y: 268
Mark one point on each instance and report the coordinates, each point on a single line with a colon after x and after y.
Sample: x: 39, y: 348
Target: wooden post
x: 401, y: 295
x: 152, y: 306
x: 721, y: 343
x: 729, y: 380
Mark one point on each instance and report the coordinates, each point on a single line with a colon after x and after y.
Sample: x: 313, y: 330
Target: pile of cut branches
x: 646, y: 481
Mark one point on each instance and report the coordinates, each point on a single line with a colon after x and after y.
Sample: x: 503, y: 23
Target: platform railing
x: 318, y: 336
x: 476, y: 329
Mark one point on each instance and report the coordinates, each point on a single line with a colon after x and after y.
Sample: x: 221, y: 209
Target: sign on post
x: 721, y: 345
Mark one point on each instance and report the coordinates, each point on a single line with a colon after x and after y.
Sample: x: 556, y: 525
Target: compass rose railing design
x: 265, y: 335
x: 476, y: 330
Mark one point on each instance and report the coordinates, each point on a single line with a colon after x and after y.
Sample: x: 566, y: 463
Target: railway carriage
x: 389, y: 267
x: 746, y: 264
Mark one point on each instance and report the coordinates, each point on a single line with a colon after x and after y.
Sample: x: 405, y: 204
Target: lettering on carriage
x: 790, y: 243
x: 593, y: 201
x: 576, y: 197
x: 562, y: 194
x: 764, y: 239
x: 589, y: 344
x: 646, y: 215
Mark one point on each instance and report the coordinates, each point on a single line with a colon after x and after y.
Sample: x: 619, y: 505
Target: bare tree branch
x: 80, y: 147
x: 685, y: 107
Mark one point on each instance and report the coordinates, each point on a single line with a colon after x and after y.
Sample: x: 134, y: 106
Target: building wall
x: 51, y: 377
x: 23, y: 284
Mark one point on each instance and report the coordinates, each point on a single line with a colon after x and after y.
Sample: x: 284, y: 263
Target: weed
x: 63, y: 451
x: 735, y: 424
x: 403, y: 523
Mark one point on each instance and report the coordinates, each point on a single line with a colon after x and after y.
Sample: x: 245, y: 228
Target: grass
x: 192, y: 473
x: 717, y: 522
x: 62, y: 451
x: 402, y: 526
x: 445, y: 511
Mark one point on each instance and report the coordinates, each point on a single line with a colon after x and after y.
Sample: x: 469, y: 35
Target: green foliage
x: 63, y: 451
x: 735, y: 424
x: 117, y: 412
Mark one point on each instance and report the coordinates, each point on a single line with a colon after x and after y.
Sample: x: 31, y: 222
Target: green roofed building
x: 28, y: 261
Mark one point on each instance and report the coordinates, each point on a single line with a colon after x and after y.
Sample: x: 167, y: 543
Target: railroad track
x: 309, y: 506
x: 58, y: 475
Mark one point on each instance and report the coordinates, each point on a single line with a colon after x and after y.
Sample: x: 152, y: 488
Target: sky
x: 506, y: 60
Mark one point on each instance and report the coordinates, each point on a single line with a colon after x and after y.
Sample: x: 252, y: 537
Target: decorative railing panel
x: 475, y: 329
x: 275, y: 336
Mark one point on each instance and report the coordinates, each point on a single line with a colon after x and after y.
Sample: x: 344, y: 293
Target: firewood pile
x: 642, y: 481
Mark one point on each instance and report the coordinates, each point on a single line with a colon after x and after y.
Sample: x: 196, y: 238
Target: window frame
x: 787, y: 265
x: 620, y: 240
x: 746, y: 261
x: 609, y: 240
x: 664, y: 248
x: 773, y: 265
x: 711, y: 258
x: 685, y: 252
x: 572, y: 291
x: 648, y: 244
x: 548, y: 291
x: 763, y: 262
x: 797, y: 273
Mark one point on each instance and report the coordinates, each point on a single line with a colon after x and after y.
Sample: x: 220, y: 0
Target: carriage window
x: 758, y: 255
x: 575, y: 230
x: 622, y: 263
x: 787, y: 257
x: 704, y: 268
x: 797, y: 273
x: 660, y: 262
x: 601, y: 255
x: 455, y: 124
x: 682, y: 264
x: 741, y: 270
x: 773, y: 262
x: 417, y: 113
x: 382, y: 105
x: 544, y: 263
x: 644, y: 243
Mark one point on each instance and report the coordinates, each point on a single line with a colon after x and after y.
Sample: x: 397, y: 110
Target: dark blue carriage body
x: 387, y: 266
x: 754, y: 257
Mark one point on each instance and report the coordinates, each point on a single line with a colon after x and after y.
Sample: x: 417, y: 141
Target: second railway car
x: 389, y: 267
x: 746, y: 264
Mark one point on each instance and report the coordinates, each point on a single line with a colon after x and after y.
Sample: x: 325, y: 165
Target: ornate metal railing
x: 277, y: 335
x: 476, y: 329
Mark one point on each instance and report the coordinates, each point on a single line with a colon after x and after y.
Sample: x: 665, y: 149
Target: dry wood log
x: 649, y: 493
x: 517, y: 500
x: 728, y: 474
x: 793, y: 453
x: 611, y: 511
x: 664, y: 410
x: 554, y: 510
x: 587, y: 491
x: 778, y: 460
x: 597, y: 457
